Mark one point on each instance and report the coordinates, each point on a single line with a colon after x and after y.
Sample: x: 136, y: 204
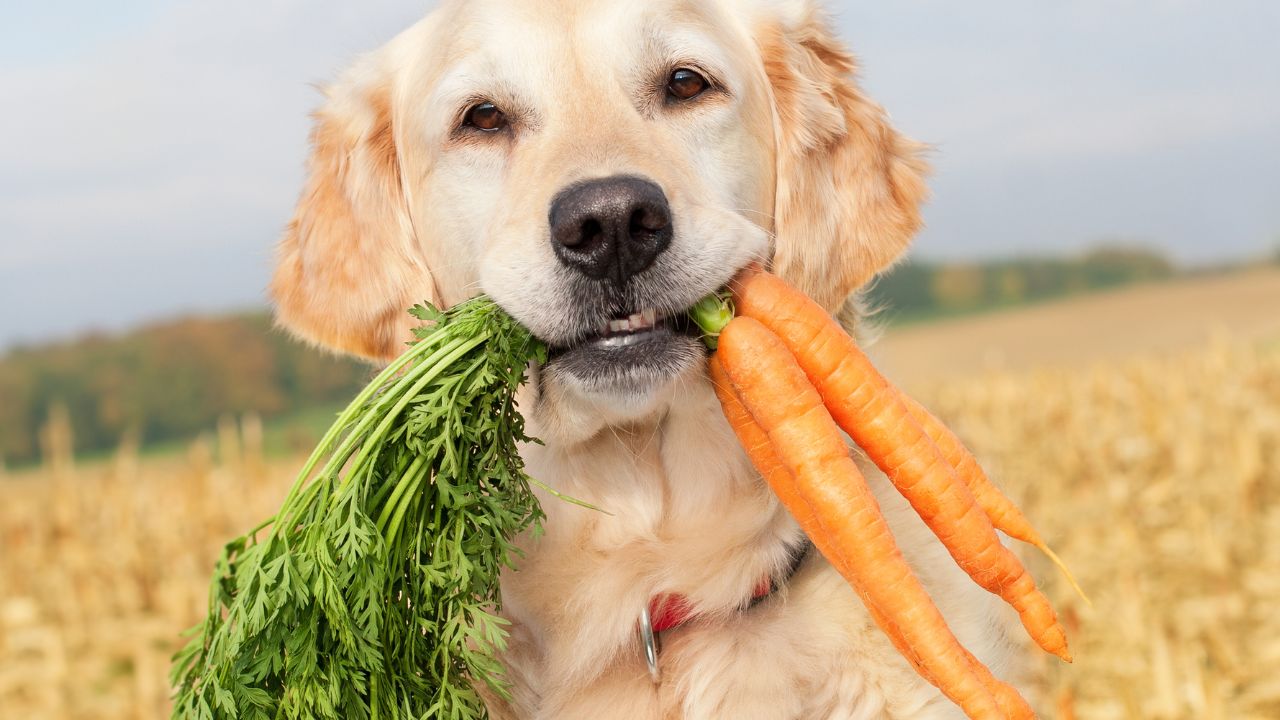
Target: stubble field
x: 1152, y: 467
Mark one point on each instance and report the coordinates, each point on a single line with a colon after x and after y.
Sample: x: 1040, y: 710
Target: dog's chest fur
x: 688, y: 515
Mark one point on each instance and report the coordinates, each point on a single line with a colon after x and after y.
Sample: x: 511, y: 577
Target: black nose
x: 612, y: 228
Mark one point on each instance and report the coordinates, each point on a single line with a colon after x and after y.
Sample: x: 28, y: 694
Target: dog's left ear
x: 849, y: 186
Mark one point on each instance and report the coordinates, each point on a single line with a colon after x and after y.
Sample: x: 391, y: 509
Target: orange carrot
x: 1011, y: 702
x: 760, y: 450
x: 871, y: 410
x: 1000, y: 509
x: 846, y: 522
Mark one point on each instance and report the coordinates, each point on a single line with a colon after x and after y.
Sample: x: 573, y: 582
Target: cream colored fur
x: 793, y: 165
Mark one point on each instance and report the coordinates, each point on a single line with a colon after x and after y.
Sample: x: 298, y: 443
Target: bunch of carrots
x: 789, y: 378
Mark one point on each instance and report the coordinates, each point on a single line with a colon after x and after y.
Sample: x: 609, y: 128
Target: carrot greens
x: 373, y: 592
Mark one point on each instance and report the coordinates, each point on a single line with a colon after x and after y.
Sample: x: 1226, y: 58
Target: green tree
x: 166, y: 381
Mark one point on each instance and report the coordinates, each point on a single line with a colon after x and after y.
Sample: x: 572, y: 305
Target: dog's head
x: 596, y: 166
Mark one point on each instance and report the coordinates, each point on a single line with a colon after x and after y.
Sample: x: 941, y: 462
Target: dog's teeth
x: 643, y: 320
x: 634, y: 323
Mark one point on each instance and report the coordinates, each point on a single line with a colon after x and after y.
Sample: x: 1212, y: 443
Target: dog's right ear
x: 349, y: 265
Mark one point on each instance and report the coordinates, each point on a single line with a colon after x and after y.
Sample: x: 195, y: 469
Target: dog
x: 597, y: 166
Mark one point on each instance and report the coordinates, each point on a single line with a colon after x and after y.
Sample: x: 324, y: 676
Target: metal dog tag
x: 650, y: 643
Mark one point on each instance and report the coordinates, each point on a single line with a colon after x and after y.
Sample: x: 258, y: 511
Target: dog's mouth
x: 632, y: 351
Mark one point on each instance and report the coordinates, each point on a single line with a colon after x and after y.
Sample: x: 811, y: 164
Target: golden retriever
x: 597, y: 166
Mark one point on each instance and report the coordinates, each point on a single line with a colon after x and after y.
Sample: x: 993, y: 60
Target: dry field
x: 1144, y: 319
x: 1158, y: 481
x: 1155, y: 477
x: 102, y: 566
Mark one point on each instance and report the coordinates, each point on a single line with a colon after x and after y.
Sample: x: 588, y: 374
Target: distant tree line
x: 918, y: 290
x: 163, y: 382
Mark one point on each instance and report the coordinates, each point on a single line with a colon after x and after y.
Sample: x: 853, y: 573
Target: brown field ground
x: 1145, y: 319
x: 1140, y: 430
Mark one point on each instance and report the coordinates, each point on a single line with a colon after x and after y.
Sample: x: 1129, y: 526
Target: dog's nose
x: 610, y: 229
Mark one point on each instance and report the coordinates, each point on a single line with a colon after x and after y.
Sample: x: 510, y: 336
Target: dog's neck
x: 682, y: 511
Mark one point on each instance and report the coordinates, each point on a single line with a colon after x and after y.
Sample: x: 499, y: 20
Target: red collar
x: 671, y: 610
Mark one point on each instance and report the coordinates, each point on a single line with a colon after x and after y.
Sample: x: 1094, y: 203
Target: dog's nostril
x: 590, y: 231
x: 647, y: 220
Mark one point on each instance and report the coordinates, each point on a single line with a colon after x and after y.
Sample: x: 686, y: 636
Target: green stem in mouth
x: 711, y: 314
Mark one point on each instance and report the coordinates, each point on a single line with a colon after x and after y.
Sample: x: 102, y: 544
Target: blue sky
x: 151, y: 151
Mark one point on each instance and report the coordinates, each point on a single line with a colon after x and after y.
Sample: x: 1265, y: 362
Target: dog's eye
x: 486, y: 116
x: 685, y: 84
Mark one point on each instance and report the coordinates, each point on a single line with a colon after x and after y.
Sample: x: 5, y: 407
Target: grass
x: 282, y: 438
x: 285, y: 436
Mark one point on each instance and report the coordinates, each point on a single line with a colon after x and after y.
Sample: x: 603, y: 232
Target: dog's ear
x: 849, y: 186
x: 349, y: 265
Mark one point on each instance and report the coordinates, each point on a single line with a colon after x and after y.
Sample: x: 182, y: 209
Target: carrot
x: 760, y: 450
x: 1011, y: 702
x: 844, y: 517
x: 871, y: 410
x: 1000, y: 509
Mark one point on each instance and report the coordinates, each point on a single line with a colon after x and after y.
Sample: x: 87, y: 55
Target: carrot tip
x: 1053, y: 556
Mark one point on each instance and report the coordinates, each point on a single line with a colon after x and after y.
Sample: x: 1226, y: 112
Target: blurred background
x: 1095, y: 306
